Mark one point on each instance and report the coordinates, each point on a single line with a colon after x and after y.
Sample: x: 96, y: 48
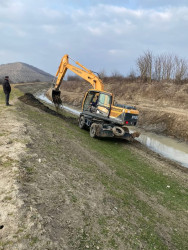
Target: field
x: 60, y: 189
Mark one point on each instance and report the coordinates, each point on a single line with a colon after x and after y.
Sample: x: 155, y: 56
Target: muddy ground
x: 60, y: 189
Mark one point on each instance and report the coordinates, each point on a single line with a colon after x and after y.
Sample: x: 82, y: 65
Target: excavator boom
x: 81, y: 71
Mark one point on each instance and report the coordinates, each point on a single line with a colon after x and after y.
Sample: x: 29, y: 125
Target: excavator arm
x: 83, y: 72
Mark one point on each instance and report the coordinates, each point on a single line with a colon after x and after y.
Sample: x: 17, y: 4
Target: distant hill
x: 22, y: 72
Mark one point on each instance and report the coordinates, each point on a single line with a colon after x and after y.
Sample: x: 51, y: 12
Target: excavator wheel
x: 82, y: 124
x: 93, y: 130
x: 56, y: 97
x: 118, y: 131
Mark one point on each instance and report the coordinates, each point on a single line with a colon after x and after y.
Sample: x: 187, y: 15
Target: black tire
x: 93, y: 130
x: 118, y: 131
x: 82, y: 124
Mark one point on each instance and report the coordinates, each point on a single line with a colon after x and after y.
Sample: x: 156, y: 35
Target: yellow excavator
x: 99, y: 113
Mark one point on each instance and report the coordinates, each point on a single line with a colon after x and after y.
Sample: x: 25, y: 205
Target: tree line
x: 150, y: 68
x: 163, y: 67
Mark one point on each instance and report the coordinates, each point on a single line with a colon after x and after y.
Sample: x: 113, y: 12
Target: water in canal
x: 167, y: 147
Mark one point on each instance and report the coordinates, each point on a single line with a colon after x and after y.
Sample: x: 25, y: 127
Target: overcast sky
x: 104, y: 35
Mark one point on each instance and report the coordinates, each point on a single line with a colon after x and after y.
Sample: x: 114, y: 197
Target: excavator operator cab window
x: 90, y: 98
x: 104, y: 104
x: 104, y: 100
x: 97, y: 102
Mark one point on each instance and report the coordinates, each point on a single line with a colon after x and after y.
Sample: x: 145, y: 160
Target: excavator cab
x: 98, y: 102
x: 56, y: 97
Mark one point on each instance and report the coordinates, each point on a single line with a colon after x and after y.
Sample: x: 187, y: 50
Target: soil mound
x: 29, y: 99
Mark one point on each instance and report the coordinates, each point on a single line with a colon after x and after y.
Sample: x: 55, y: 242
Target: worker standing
x: 7, y: 90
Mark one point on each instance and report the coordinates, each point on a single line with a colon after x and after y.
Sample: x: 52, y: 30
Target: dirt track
x: 63, y: 190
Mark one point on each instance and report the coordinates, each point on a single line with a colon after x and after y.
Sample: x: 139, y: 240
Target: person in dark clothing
x: 95, y: 102
x: 7, y: 90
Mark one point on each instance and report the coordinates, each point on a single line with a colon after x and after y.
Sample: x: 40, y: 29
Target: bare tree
x: 145, y: 65
x: 181, y: 68
x: 142, y: 68
x: 149, y: 63
x: 169, y: 67
x: 157, y: 68
x: 132, y: 75
x: 102, y: 74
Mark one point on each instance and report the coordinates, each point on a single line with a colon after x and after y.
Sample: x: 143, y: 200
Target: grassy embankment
x: 148, y: 208
x: 15, y: 93
x: 151, y: 206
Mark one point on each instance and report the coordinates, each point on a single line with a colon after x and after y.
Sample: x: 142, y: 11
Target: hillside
x: 22, y: 72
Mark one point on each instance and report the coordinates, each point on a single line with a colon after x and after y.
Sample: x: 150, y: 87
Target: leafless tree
x: 169, y: 67
x: 157, y: 68
x: 145, y: 65
x: 102, y: 74
x: 149, y: 63
x: 162, y: 67
x: 181, y: 68
x: 132, y: 75
x: 141, y: 67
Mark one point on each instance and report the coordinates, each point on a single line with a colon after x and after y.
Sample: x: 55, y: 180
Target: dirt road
x: 60, y: 189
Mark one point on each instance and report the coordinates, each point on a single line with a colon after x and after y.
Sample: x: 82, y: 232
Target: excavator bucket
x: 56, y: 97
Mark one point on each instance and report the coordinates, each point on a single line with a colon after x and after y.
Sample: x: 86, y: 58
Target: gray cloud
x: 100, y: 36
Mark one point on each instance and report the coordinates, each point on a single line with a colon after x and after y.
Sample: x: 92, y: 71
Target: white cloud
x: 50, y: 13
x: 51, y: 29
x: 94, y: 35
x: 5, y: 3
x: 95, y: 31
x: 160, y: 3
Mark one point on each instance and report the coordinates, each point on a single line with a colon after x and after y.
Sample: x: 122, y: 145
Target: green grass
x: 7, y: 198
x: 2, y: 134
x: 124, y: 176
x: 15, y: 93
x: 8, y: 163
x: 2, y: 95
x: 130, y: 168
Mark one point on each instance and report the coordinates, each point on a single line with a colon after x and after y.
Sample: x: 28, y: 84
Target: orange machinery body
x: 105, y: 106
